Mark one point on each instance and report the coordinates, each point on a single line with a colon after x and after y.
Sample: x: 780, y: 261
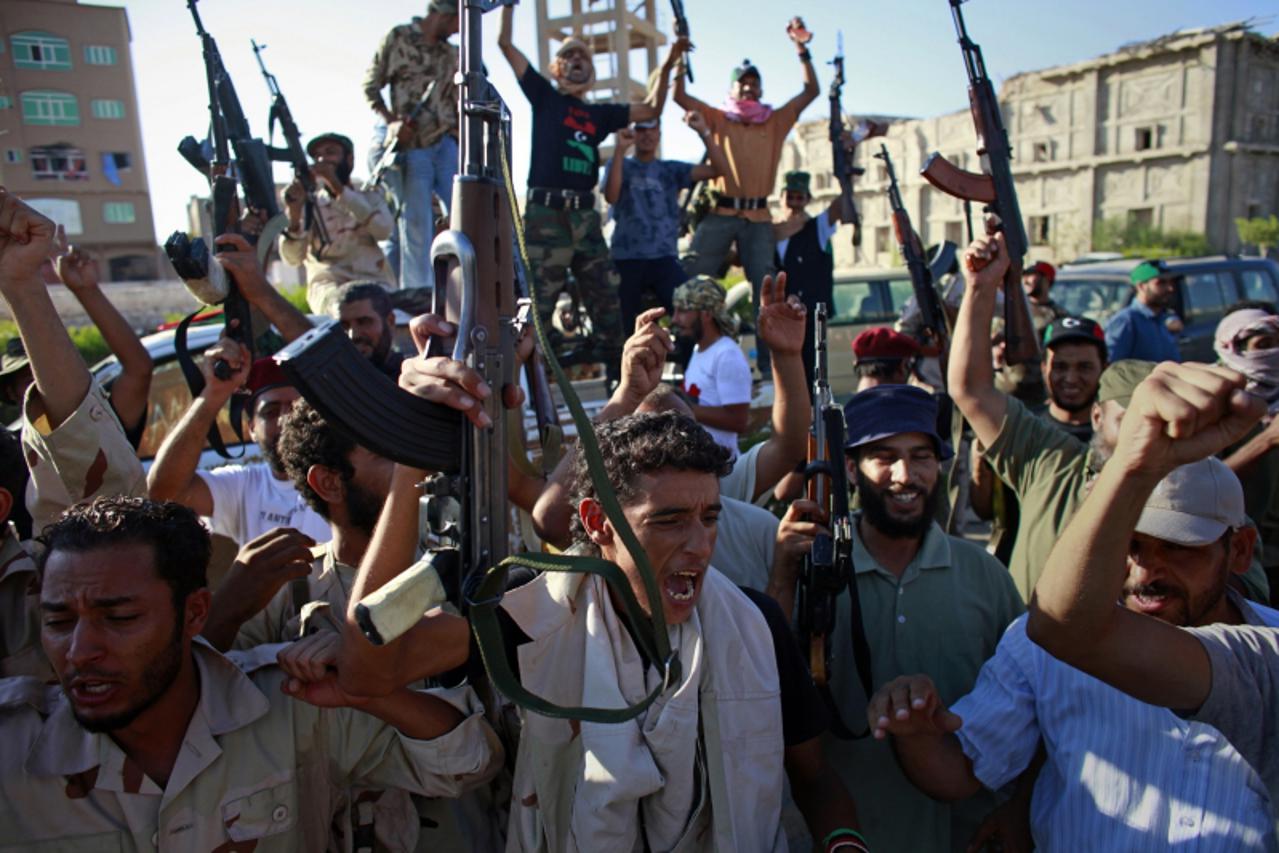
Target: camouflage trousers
x: 564, y: 241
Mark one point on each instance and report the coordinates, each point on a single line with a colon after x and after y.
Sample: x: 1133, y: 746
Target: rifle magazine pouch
x: 396, y: 607
x: 368, y: 406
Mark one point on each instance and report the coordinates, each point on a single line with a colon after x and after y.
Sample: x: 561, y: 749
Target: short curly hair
x: 307, y: 439
x: 178, y: 539
x: 641, y: 444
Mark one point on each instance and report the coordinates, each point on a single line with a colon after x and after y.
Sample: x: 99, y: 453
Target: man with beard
x: 354, y: 220
x: 717, y: 381
x: 930, y: 603
x: 1026, y: 381
x: 1141, y: 329
x: 751, y: 134
x: 1119, y: 774
x: 561, y: 224
x: 154, y: 740
x: 1049, y: 471
x: 242, y: 502
x: 368, y: 318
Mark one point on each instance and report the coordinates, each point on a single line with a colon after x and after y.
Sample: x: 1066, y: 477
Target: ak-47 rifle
x: 681, y: 31
x: 828, y: 568
x: 391, y: 141
x: 993, y: 188
x: 843, y: 166
x: 293, y: 154
x: 921, y: 275
x: 476, y: 292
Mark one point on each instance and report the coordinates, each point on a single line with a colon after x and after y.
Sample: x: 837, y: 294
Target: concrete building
x: 1181, y: 132
x: 70, y: 138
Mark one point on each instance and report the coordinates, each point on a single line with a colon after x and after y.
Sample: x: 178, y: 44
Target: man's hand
x: 985, y: 263
x: 798, y: 32
x: 697, y: 122
x: 76, y: 269
x: 402, y: 129
x: 783, y: 320
x: 680, y: 46
x: 263, y: 566
x: 236, y: 355
x: 909, y: 705
x: 294, y: 201
x: 1183, y: 413
x: 643, y: 356
x: 624, y: 141
x: 803, y: 521
x: 327, y: 174
x: 311, y: 664
x: 242, y: 265
x: 26, y: 240
x: 442, y: 380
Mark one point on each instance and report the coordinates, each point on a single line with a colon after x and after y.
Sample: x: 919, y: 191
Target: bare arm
x: 783, y: 323
x: 734, y: 418
x: 1245, y: 459
x: 173, y: 476
x: 242, y: 264
x: 518, y: 61
x: 623, y: 140
x: 818, y: 790
x: 683, y: 99
x: 923, y: 730
x: 718, y: 164
x: 129, y: 391
x: 981, y: 492
x: 811, y: 90
x: 1073, y: 614
x: 970, y: 375
x: 804, y: 519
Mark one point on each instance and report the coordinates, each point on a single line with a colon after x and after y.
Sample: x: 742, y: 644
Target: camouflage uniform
x: 20, y: 651
x: 257, y: 770
x: 562, y: 240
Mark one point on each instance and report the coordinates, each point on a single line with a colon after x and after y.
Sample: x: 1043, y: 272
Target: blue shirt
x: 1138, y: 332
x: 1120, y: 774
x: 647, y: 209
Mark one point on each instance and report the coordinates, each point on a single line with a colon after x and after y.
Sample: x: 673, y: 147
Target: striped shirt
x: 1120, y: 774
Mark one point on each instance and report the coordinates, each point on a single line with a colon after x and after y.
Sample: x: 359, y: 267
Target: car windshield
x: 861, y: 302
x: 1096, y: 299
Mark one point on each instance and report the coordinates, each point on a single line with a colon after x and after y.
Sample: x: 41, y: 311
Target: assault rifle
x: 994, y: 188
x: 828, y: 568
x: 475, y: 272
x: 921, y: 275
x: 843, y: 166
x: 681, y: 31
x: 293, y: 154
x: 229, y: 132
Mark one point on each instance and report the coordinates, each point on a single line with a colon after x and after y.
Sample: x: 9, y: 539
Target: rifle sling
x: 195, y: 382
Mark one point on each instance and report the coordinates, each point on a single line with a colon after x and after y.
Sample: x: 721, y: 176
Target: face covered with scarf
x: 743, y: 104
x: 1248, y: 341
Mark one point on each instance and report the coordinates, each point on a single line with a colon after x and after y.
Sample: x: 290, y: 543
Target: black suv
x: 1206, y: 287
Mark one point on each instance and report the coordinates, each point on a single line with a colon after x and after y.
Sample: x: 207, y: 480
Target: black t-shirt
x: 804, y: 714
x: 567, y: 133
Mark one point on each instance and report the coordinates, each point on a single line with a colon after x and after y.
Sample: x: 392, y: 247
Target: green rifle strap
x: 515, y: 445
x: 651, y: 632
x: 487, y: 597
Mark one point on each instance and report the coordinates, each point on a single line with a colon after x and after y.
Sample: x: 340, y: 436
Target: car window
x: 169, y: 400
x: 1205, y: 296
x: 1258, y: 284
x: 900, y: 290
x: 1096, y: 299
x: 861, y: 302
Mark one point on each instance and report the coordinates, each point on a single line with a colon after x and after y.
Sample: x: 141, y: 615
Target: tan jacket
x: 20, y: 652
x: 257, y: 770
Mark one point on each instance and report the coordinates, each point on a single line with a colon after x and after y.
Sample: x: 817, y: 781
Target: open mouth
x: 904, y: 499
x: 681, y: 587
x: 88, y: 691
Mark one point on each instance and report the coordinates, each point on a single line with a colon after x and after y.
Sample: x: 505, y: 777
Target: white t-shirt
x: 720, y: 375
x: 825, y: 230
x: 248, y: 501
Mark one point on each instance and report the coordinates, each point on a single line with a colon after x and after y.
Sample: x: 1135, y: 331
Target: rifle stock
x: 994, y: 188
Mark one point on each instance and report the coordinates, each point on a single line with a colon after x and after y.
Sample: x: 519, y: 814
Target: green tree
x: 1132, y: 239
x: 1260, y: 231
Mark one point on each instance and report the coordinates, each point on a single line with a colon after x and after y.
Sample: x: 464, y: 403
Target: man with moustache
x: 354, y: 219
x: 1118, y: 774
x: 561, y: 225
x: 1141, y: 330
x: 929, y: 602
x: 364, y: 308
x: 717, y: 381
x: 153, y: 740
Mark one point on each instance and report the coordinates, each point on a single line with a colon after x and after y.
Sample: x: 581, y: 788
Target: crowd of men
x: 1104, y: 674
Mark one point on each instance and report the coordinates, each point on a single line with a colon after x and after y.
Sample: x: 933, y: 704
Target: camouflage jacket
x: 409, y: 65
x: 20, y: 652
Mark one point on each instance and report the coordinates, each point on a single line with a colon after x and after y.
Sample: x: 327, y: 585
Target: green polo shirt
x: 1050, y: 470
x: 944, y: 618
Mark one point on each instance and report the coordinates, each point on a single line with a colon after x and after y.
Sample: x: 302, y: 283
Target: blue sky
x: 901, y: 59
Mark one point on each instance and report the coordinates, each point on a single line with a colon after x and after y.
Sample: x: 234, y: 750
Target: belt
x: 742, y: 203
x: 561, y: 199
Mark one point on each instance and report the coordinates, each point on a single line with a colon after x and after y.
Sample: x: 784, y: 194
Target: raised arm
x: 800, y: 37
x: 518, y: 61
x: 651, y: 107
x: 971, y: 375
x: 682, y: 97
x: 26, y: 240
x: 130, y: 389
x: 242, y: 264
x: 783, y: 322
x: 622, y: 142
x: 718, y: 164
x: 1179, y: 414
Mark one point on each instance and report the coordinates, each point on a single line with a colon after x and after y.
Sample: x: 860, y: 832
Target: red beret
x: 884, y: 342
x: 265, y: 374
x: 1044, y: 268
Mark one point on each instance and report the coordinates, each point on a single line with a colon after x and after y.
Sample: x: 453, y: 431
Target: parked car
x: 1206, y: 287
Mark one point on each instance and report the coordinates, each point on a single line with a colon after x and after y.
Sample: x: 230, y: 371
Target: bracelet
x: 805, y: 56
x: 844, y: 838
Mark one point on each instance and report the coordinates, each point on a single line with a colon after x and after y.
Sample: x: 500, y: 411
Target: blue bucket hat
x: 887, y: 410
